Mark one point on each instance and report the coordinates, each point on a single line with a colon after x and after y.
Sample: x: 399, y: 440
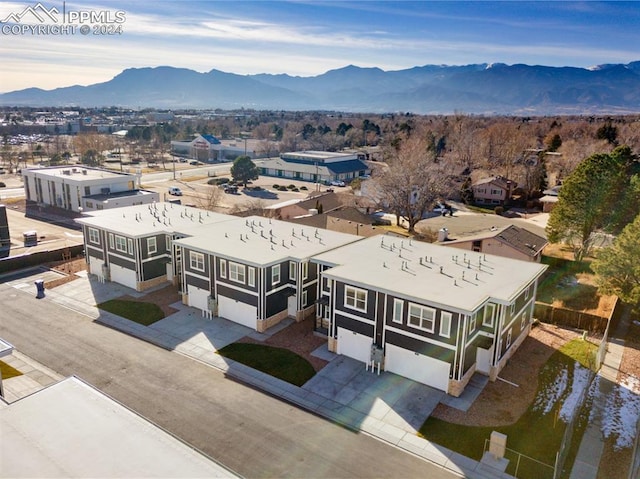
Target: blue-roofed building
x: 316, y: 166
x: 207, y: 148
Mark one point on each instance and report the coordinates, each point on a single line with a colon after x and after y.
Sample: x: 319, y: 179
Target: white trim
x: 240, y: 273
x: 223, y: 268
x: 293, y: 270
x: 421, y: 338
x: 152, y: 240
x: 274, y: 268
x: 279, y: 288
x: 94, y: 235
x: 121, y: 241
x: 356, y: 300
x: 421, y: 319
x: 398, y: 303
x: 491, y: 316
x: 111, y: 241
x: 347, y: 314
x: 236, y: 288
x: 251, y: 276
x: 446, y: 334
x: 194, y: 261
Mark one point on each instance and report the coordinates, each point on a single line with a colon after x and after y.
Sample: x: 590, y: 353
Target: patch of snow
x: 621, y: 416
x: 578, y: 387
x: 546, y: 399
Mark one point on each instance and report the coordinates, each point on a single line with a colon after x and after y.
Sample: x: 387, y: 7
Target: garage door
x: 95, y: 266
x: 418, y: 367
x: 354, y: 345
x: 123, y: 276
x: 198, y: 297
x: 238, y: 312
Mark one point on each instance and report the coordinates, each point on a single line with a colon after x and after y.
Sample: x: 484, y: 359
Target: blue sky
x: 310, y: 37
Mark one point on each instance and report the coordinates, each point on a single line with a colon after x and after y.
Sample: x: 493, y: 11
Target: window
x: 523, y: 322
x: 304, y: 298
x: 196, y: 260
x: 526, y: 294
x: 472, y: 323
x: 152, y: 245
x: 513, y: 309
x: 445, y: 324
x: 87, y: 190
x: 509, y: 339
x: 223, y: 268
x: 121, y: 244
x: 94, y: 237
x: 236, y: 272
x: 489, y: 312
x: 355, y: 298
x: 422, y: 317
x: 398, y: 306
x: 292, y: 270
x: 275, y: 274
x: 305, y: 270
x: 89, y: 204
x: 495, y: 192
x: 130, y: 245
x: 111, y: 240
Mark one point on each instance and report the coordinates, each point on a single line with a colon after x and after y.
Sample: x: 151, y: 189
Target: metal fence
x: 522, y: 466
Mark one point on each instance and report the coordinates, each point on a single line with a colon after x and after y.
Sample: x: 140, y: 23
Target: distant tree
x: 618, y: 266
x: 608, y: 132
x: 413, y: 181
x: 554, y: 142
x: 466, y: 192
x: 598, y: 195
x: 244, y: 170
x: 91, y: 158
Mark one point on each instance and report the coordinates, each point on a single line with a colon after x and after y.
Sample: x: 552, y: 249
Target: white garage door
x: 238, y: 312
x: 354, y: 345
x: 198, y: 297
x: 418, y: 367
x: 123, y: 276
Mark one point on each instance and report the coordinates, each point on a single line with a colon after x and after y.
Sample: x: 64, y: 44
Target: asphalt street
x: 250, y: 432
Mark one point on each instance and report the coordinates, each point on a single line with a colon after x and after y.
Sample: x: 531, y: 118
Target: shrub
x: 276, y: 187
x: 295, y: 189
x: 291, y: 187
x: 499, y: 210
x: 304, y: 188
x: 2, y: 185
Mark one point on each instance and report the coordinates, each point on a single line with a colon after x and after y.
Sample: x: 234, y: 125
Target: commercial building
x: 316, y: 166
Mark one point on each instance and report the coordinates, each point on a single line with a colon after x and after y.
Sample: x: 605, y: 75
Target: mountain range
x: 431, y: 89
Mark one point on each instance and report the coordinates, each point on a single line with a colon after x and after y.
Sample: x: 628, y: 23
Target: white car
x: 175, y: 191
x: 337, y: 183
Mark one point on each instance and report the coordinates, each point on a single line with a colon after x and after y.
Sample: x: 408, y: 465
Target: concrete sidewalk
x: 589, y: 454
x: 386, y: 406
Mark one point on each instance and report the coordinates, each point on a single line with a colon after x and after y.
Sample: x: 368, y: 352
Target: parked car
x: 175, y: 191
x: 443, y: 208
x: 195, y: 162
x: 229, y: 188
x: 338, y: 183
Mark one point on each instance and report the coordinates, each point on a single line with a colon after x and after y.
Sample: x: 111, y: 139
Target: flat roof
x: 77, y: 172
x: 262, y: 241
x: 120, y: 194
x: 429, y: 272
x: 144, y: 220
x: 316, y: 155
x: 71, y: 429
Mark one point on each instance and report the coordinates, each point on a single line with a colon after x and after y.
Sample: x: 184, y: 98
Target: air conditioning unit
x: 213, y: 305
x: 106, y: 274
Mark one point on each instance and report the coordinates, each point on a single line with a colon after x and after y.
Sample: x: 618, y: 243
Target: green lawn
x: 559, y: 283
x: 537, y: 433
x: 142, y: 313
x: 8, y: 371
x: 277, y: 362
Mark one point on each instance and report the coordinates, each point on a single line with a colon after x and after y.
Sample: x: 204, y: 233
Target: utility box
x: 39, y: 288
x: 30, y: 238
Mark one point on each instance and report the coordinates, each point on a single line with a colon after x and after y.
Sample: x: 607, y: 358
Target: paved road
x: 248, y: 431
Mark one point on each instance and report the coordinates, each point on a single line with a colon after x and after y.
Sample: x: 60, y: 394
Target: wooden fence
x: 571, y: 319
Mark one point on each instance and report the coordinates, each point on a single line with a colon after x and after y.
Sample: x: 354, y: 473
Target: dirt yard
x: 500, y: 403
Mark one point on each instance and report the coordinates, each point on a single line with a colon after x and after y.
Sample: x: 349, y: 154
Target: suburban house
x: 510, y: 241
x: 133, y: 245
x: 66, y: 186
x: 550, y: 198
x: 493, y: 191
x: 207, y: 148
x: 316, y: 166
x: 345, y: 220
x: 318, y: 203
x: 254, y: 271
x: 430, y: 313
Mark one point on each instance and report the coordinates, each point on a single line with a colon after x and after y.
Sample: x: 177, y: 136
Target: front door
x: 292, y: 306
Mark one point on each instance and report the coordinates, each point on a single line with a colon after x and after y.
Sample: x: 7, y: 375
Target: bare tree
x: 211, y: 200
x: 413, y: 181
